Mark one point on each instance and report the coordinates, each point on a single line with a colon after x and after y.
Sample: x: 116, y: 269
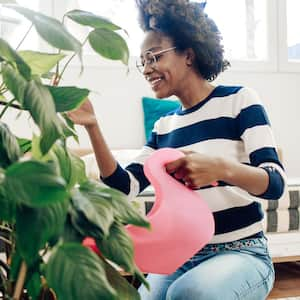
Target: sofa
x: 281, y: 222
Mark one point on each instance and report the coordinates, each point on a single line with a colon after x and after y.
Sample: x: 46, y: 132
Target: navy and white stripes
x: 232, y: 123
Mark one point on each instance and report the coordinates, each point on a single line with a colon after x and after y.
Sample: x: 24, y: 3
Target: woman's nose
x: 148, y: 69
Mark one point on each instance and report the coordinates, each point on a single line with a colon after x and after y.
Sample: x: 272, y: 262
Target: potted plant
x: 48, y: 205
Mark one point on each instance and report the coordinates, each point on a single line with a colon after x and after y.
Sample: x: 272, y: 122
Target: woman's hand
x: 196, y: 170
x: 84, y: 115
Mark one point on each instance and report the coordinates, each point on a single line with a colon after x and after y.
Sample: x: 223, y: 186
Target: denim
x: 241, y: 270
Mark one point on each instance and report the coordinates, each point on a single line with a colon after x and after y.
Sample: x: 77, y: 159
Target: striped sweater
x: 231, y: 123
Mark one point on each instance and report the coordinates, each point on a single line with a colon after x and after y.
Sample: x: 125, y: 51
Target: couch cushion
x: 154, y: 109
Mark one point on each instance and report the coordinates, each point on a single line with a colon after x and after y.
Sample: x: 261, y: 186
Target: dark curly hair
x: 186, y: 24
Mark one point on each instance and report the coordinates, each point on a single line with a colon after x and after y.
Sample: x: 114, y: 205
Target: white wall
x: 117, y: 100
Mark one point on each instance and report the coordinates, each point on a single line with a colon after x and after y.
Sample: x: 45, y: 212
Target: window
x: 260, y: 35
x: 14, y: 26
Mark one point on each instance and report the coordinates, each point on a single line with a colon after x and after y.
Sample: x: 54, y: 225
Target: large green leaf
x: 109, y: 44
x: 70, y: 233
x: 34, y: 285
x: 10, y: 55
x: 123, y: 209
x: 38, y: 225
x: 34, y: 183
x: 76, y: 273
x: 82, y: 225
x: 72, y: 168
x: 97, y: 210
x: 89, y: 19
x: 39, y: 102
x: 14, y: 82
x: 68, y: 97
x: 9, y: 147
x: 50, y: 29
x: 124, y: 289
x: 118, y: 247
x: 8, y: 208
x: 40, y: 63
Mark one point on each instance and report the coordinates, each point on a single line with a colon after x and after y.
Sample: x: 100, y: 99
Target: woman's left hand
x: 196, y: 170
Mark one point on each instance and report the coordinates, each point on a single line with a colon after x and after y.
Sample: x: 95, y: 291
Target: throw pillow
x: 154, y: 109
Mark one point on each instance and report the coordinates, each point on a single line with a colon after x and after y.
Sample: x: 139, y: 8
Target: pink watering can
x: 181, y: 222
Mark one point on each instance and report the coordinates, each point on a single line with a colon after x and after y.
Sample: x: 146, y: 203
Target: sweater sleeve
x: 256, y: 133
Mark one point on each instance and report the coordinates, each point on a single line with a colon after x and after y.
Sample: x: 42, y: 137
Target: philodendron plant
x: 47, y: 203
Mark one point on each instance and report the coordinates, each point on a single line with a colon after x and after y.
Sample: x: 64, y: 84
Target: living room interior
x: 262, y: 42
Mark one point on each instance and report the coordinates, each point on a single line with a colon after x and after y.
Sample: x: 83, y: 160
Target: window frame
x: 284, y: 65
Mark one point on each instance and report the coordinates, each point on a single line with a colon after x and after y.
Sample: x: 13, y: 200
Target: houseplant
x: 48, y: 205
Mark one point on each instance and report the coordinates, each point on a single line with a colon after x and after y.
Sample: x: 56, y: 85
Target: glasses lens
x: 148, y: 59
x: 140, y: 66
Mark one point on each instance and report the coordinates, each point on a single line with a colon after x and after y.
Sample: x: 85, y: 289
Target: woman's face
x: 164, y: 69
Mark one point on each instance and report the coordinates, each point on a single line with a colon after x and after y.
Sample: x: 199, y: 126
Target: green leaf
x: 123, y: 209
x: 82, y: 225
x: 118, y: 247
x: 50, y: 29
x: 68, y: 97
x: 72, y: 168
x: 39, y: 225
x: 40, y: 63
x: 15, y: 265
x: 24, y: 144
x: 89, y: 19
x: 8, y: 208
x: 9, y: 147
x: 36, y: 183
x: 39, y: 102
x: 70, y: 127
x: 109, y: 44
x: 14, y: 82
x: 70, y: 267
x: 10, y: 55
x: 70, y: 233
x: 34, y: 285
x: 97, y: 210
x: 124, y: 289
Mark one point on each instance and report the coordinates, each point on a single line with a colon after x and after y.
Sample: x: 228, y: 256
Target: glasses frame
x: 141, y: 67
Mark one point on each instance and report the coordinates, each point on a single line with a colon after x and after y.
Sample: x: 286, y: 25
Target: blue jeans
x: 236, y: 270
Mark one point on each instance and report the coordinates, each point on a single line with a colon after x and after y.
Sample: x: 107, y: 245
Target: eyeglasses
x: 151, y: 59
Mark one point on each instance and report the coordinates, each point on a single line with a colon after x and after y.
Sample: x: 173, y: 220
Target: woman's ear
x: 190, y: 57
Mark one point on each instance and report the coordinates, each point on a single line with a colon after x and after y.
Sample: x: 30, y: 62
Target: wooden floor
x: 287, y: 282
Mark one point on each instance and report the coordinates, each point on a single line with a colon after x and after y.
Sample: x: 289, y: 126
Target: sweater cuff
x: 119, y: 180
x: 276, y: 184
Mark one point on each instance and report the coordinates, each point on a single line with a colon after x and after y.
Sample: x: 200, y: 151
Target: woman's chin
x: 161, y: 94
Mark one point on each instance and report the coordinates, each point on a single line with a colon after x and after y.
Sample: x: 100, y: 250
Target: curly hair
x: 186, y: 24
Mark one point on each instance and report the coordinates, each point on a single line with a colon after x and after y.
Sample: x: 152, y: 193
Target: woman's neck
x: 194, y: 90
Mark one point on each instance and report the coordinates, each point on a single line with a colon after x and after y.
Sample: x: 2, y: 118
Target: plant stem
x: 68, y: 62
x: 8, y: 104
x: 20, y: 281
x: 24, y: 37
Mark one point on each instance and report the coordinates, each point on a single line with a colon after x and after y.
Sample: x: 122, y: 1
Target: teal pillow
x: 154, y: 109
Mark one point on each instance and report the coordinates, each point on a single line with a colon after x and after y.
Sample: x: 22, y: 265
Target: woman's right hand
x: 84, y: 115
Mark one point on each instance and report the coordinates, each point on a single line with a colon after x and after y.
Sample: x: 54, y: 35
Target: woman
x: 227, y: 138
